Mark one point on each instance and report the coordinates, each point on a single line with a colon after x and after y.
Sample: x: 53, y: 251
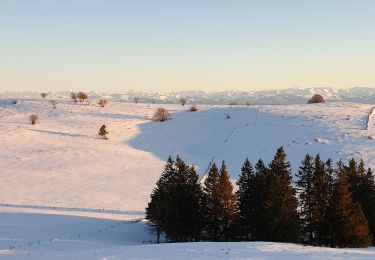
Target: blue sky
x: 159, y: 45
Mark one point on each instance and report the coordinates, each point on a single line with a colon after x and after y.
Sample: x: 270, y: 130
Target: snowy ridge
x: 285, y: 96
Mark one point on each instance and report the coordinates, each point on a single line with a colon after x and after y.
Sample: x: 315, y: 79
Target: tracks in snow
x: 228, y: 138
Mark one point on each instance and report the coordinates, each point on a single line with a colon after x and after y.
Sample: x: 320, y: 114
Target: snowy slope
x: 68, y: 189
x: 61, y: 161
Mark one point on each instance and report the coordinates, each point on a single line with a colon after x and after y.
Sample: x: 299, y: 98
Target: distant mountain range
x: 284, y: 96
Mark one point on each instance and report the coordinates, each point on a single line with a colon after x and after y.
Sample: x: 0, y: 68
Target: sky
x: 173, y: 45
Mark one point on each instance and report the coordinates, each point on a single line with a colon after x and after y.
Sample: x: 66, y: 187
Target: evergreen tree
x: 330, y: 178
x: 103, y: 131
x: 345, y: 221
x: 245, y: 201
x: 363, y: 189
x: 156, y: 209
x: 369, y: 203
x: 228, y: 202
x: 183, y: 220
x: 220, y: 204
x: 305, y: 190
x: 260, y: 197
x: 281, y: 204
x: 175, y: 206
x: 211, y: 190
x: 321, y: 193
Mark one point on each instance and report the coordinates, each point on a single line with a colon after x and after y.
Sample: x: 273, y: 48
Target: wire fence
x: 73, y: 209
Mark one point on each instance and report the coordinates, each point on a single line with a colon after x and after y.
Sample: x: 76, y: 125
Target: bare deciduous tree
x: 161, y: 114
x: 43, y: 94
x: 33, y: 118
x: 82, y: 96
x: 193, y: 108
x: 102, y: 102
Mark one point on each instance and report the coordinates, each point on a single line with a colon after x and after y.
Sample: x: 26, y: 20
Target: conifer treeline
x: 326, y: 206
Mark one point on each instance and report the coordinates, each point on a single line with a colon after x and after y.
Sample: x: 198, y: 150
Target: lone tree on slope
x: 161, y: 114
x: 103, y: 132
x: 82, y: 96
x: 316, y: 99
x: 102, y: 102
x: 33, y: 118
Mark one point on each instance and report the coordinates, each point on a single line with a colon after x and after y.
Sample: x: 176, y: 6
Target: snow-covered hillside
x: 66, y: 193
x: 61, y: 161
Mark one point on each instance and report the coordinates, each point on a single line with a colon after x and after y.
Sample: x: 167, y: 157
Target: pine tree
x: 363, y: 189
x: 305, y: 190
x: 345, y: 221
x: 156, y: 209
x: 211, y: 190
x: 259, y: 199
x: 103, y: 131
x: 183, y: 220
x: 281, y: 205
x: 220, y: 204
x: 175, y: 206
x: 245, y: 202
x: 321, y: 193
x: 228, y: 202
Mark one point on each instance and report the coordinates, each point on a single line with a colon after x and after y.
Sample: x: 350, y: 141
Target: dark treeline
x: 326, y: 206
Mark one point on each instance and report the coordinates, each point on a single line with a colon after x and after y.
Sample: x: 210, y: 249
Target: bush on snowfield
x: 33, y: 118
x: 161, y: 114
x: 316, y: 99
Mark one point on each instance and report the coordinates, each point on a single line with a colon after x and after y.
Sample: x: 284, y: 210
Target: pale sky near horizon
x: 160, y: 45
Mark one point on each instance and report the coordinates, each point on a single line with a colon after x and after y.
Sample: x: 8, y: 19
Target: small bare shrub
x: 316, y: 99
x: 33, y: 118
x: 103, y: 132
x: 43, y: 94
x: 102, y: 102
x: 247, y: 103
x: 183, y: 101
x: 73, y: 96
x: 136, y: 100
x: 53, y: 102
x: 193, y: 108
x: 161, y: 114
x: 233, y: 103
x: 14, y: 102
x: 82, y: 96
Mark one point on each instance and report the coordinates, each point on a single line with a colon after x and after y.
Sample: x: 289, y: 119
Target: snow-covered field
x: 41, y: 236
x: 61, y: 162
